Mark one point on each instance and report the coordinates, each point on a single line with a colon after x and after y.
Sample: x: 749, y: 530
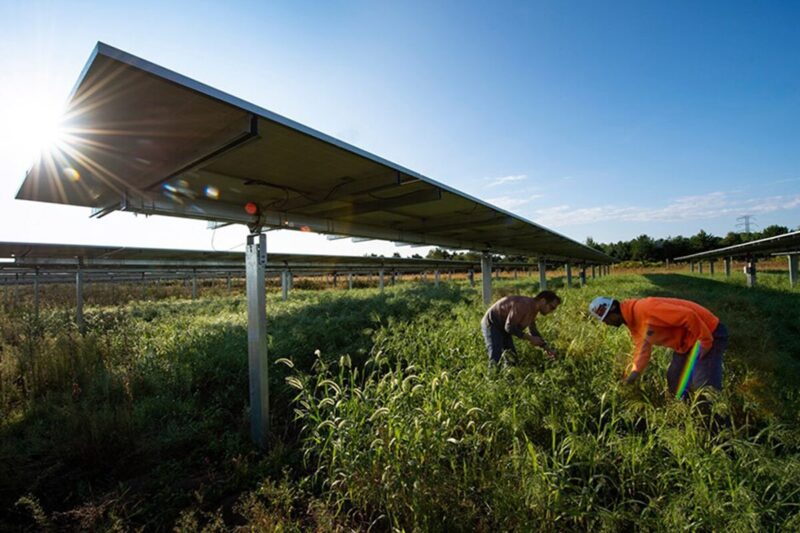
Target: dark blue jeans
x: 498, y: 340
x: 707, y: 370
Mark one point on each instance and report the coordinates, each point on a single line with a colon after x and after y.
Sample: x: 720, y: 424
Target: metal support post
x: 515, y: 274
x: 711, y: 267
x: 194, y: 284
x: 594, y: 271
x: 700, y: 265
x: 79, y: 299
x: 793, y: 270
x: 691, y: 266
x: 436, y: 278
x: 349, y: 281
x: 750, y: 272
x: 471, y: 277
x: 36, y: 292
x: 284, y: 285
x: 486, y: 278
x: 727, y: 267
x: 583, y: 275
x: 256, y: 261
x: 542, y: 274
x: 394, y: 277
x: 569, y: 276
x: 380, y: 280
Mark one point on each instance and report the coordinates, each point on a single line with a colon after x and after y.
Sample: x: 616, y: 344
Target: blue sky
x: 602, y: 119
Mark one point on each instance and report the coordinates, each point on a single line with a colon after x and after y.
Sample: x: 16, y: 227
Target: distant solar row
x: 787, y: 244
x: 780, y: 243
x: 90, y: 256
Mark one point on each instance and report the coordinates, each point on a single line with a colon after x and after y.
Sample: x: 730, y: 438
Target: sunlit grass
x: 384, y: 413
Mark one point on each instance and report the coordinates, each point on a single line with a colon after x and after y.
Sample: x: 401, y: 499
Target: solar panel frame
x: 784, y: 242
x: 55, y: 256
x: 232, y: 158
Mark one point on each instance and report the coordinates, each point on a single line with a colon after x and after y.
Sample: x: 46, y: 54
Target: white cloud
x: 494, y: 182
x: 698, y: 207
x: 509, y: 203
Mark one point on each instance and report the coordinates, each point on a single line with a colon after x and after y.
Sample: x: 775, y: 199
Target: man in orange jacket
x: 676, y: 324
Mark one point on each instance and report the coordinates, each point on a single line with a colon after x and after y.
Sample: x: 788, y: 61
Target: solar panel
x: 779, y: 243
x: 145, y: 139
x: 105, y: 257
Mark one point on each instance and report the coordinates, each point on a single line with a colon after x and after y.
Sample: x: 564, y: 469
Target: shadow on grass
x: 143, y: 444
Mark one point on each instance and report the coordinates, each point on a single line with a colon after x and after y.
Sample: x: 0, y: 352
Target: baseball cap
x: 600, y: 306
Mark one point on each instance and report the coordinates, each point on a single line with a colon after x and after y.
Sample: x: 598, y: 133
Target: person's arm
x: 535, y: 337
x: 537, y: 340
x: 632, y: 377
x: 641, y: 356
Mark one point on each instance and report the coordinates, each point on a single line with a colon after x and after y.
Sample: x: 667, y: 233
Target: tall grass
x: 385, y: 416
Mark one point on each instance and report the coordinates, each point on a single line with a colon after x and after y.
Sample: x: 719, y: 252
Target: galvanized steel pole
x: 486, y: 278
x: 256, y: 262
x: 750, y: 272
x: 79, y: 298
x: 542, y: 274
x: 36, y: 292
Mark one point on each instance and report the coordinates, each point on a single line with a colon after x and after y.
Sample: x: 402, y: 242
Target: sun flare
x: 33, y: 126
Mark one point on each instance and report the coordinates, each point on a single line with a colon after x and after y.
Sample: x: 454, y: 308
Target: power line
x: 746, y: 221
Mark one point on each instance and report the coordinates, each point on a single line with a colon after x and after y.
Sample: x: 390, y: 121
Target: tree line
x: 646, y: 248
x: 642, y: 248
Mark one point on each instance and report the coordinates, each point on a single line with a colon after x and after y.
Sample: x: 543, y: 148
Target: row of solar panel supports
x: 255, y: 274
x: 749, y: 268
x: 287, y: 282
x: 258, y: 363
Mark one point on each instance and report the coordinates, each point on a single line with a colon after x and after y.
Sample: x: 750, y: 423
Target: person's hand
x: 632, y: 377
x: 551, y: 352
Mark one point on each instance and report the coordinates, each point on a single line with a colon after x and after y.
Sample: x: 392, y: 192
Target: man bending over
x: 697, y: 337
x: 511, y: 315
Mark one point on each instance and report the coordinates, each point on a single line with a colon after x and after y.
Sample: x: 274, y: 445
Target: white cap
x: 600, y: 306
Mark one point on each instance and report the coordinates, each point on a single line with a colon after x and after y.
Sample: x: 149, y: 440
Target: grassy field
x: 385, y: 416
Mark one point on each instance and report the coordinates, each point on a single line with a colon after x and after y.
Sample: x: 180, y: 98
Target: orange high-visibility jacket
x: 669, y: 322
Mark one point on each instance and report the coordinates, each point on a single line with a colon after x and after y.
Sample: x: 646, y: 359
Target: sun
x: 32, y: 125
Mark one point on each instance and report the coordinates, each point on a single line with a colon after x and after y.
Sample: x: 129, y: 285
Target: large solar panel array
x: 109, y: 257
x: 782, y: 243
x: 148, y: 140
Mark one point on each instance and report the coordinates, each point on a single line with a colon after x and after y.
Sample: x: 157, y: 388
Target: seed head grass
x: 386, y: 416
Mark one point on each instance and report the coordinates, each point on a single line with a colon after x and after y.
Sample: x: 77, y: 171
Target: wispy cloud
x: 699, y: 207
x: 510, y: 203
x: 494, y: 182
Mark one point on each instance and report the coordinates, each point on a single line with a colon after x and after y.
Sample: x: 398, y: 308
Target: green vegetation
x: 385, y: 415
x: 643, y: 250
